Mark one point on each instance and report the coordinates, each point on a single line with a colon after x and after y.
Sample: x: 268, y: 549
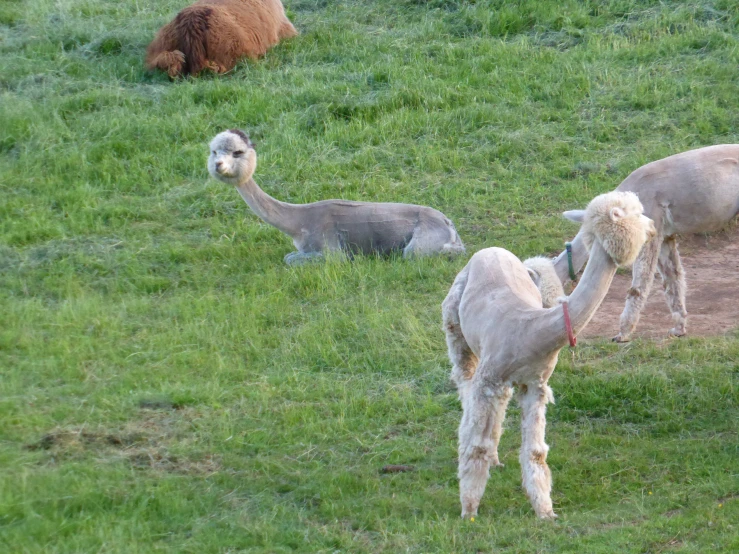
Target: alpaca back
x: 216, y: 33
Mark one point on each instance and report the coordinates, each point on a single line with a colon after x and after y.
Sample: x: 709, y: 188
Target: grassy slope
x: 168, y: 385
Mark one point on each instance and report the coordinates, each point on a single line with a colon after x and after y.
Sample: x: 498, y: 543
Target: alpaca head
x: 616, y: 220
x: 542, y: 273
x: 232, y: 157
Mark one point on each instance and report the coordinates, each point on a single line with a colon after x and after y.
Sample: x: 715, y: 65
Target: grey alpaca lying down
x: 693, y: 192
x: 333, y: 225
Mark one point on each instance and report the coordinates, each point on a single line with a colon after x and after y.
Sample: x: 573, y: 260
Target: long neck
x: 579, y: 257
x: 583, y: 302
x: 272, y: 211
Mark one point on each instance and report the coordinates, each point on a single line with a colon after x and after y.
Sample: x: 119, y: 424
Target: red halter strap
x: 568, y: 324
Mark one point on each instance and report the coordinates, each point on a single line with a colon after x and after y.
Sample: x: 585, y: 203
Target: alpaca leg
x: 171, y: 61
x: 673, y: 279
x: 498, y: 414
x: 480, y: 405
x: 215, y: 67
x: 641, y: 283
x: 300, y: 258
x: 429, y: 239
x: 464, y: 361
x: 537, y: 479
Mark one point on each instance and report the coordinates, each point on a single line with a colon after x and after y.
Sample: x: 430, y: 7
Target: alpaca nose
x: 219, y: 165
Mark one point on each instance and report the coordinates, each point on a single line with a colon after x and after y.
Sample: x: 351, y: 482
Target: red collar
x: 568, y: 325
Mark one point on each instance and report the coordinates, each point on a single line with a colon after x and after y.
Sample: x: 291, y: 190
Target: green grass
x: 167, y: 384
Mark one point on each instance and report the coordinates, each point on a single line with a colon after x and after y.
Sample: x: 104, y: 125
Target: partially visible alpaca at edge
x: 214, y: 34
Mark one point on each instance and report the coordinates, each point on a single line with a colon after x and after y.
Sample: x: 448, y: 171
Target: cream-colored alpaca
x: 333, y: 225
x: 692, y: 192
x: 499, y: 336
x: 543, y: 274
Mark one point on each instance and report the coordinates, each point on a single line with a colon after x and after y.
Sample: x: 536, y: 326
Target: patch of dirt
x: 712, y: 274
x: 144, y: 444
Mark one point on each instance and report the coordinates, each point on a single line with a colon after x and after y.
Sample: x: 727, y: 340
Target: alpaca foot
x: 621, y: 338
x: 548, y: 514
x: 300, y: 258
x: 216, y: 67
x: 469, y: 514
x: 677, y: 332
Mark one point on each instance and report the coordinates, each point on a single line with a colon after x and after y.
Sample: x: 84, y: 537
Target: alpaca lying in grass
x: 214, y: 34
x: 499, y: 336
x: 332, y: 225
x: 693, y: 192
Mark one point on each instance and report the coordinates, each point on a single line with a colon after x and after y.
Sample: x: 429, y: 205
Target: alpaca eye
x: 214, y: 152
x: 238, y: 153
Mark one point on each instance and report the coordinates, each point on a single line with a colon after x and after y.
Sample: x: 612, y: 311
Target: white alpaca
x: 499, y: 336
x: 692, y: 192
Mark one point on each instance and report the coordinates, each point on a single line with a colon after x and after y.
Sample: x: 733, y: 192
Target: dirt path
x: 712, y: 272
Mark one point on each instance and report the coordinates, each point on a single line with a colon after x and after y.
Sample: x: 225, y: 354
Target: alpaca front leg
x: 536, y: 476
x: 641, y: 283
x: 673, y: 279
x: 476, y: 447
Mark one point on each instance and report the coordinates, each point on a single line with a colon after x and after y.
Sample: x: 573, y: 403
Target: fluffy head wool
x: 545, y: 278
x: 616, y: 221
x: 232, y: 157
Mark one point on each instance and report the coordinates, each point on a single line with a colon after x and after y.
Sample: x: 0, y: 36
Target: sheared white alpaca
x: 693, y: 192
x: 499, y: 336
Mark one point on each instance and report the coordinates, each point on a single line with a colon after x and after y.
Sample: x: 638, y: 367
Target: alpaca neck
x: 592, y: 288
x: 579, y: 257
x: 270, y: 210
x: 583, y: 302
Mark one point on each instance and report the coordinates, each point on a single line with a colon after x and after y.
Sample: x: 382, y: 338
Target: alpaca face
x: 232, y: 157
x: 617, y: 221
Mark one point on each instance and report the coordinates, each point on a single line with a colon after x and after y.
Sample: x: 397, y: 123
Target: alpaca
x: 332, y: 225
x: 214, y: 34
x: 542, y: 273
x: 693, y: 192
x: 499, y: 336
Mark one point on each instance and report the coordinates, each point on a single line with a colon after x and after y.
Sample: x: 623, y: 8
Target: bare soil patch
x: 145, y: 444
x: 712, y: 272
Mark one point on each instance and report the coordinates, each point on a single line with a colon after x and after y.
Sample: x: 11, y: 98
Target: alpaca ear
x: 617, y: 213
x: 534, y: 275
x: 578, y: 216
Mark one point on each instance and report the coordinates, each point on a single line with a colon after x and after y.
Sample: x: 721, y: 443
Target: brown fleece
x: 214, y: 34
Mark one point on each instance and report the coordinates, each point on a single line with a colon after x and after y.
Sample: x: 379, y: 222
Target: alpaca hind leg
x: 433, y: 239
x: 464, y: 361
x: 536, y: 476
x: 476, y: 448
x: 500, y: 405
x: 641, y: 283
x: 673, y: 279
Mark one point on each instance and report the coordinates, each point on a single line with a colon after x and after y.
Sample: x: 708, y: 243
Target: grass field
x: 168, y: 385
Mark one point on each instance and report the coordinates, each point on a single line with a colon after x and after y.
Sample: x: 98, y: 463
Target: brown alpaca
x: 214, y: 34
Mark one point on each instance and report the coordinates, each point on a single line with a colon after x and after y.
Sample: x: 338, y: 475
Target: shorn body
x: 340, y: 226
x: 693, y: 192
x: 500, y: 337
